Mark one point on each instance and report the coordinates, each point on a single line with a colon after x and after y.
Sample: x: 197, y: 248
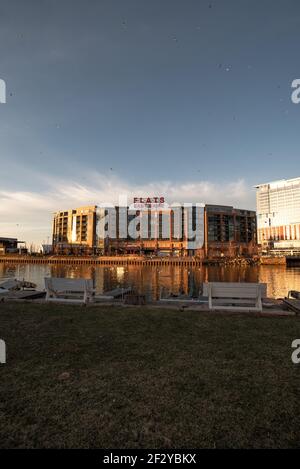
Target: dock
x: 22, y: 295
x: 292, y: 304
x: 114, y: 294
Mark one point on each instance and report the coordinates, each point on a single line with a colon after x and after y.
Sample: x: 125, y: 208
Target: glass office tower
x: 278, y: 214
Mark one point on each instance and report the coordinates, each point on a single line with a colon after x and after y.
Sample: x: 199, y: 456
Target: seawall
x: 138, y: 260
x: 103, y: 260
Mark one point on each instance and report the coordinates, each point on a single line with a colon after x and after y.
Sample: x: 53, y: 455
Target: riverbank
x: 103, y: 260
x: 140, y: 260
x: 139, y: 378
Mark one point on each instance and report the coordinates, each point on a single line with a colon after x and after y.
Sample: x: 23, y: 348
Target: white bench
x: 68, y: 290
x: 263, y: 287
x: 235, y: 296
x: 2, y: 351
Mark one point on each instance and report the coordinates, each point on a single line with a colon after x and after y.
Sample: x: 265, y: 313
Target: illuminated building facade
x: 144, y: 229
x: 74, y: 231
x: 278, y: 214
x: 209, y: 231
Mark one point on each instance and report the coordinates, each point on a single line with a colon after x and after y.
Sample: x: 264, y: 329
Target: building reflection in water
x: 154, y: 281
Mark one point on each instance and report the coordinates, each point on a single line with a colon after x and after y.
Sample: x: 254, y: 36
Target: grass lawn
x: 113, y: 377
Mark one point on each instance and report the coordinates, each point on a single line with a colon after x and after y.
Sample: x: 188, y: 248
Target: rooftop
x: 279, y: 183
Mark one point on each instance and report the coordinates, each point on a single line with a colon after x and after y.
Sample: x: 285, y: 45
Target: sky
x: 187, y: 99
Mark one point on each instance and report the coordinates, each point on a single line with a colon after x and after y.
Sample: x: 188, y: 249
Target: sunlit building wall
x: 278, y: 213
x: 165, y: 230
x: 74, y: 230
x: 182, y: 230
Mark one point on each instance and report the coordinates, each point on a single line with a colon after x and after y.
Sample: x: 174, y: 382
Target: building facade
x: 210, y: 231
x: 74, y: 231
x: 167, y: 230
x: 229, y: 232
x: 10, y: 246
x: 278, y: 214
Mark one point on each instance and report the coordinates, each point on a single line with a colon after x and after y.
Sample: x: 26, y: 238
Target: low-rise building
x: 156, y: 229
x: 74, y: 231
x: 229, y: 232
x: 10, y: 246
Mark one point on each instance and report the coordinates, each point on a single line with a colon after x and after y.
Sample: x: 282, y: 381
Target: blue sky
x: 178, y: 97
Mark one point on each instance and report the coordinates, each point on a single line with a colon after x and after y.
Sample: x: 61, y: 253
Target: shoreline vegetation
x: 146, y: 378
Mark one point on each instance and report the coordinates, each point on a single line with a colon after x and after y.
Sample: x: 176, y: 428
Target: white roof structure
x: 280, y: 183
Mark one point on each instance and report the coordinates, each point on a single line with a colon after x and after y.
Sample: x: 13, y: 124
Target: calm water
x: 149, y: 280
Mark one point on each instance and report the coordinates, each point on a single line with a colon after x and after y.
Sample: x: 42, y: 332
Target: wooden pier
x: 103, y: 260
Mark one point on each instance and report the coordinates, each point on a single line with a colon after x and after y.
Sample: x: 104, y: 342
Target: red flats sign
x: 149, y: 202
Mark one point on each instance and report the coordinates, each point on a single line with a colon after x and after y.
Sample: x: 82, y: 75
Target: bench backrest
x: 235, y: 289
x: 248, y: 290
x: 68, y: 284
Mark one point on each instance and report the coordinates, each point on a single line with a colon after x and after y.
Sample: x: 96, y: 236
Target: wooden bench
x: 235, y: 296
x: 68, y: 290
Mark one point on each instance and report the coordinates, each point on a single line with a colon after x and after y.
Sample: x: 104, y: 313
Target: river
x: 151, y: 281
